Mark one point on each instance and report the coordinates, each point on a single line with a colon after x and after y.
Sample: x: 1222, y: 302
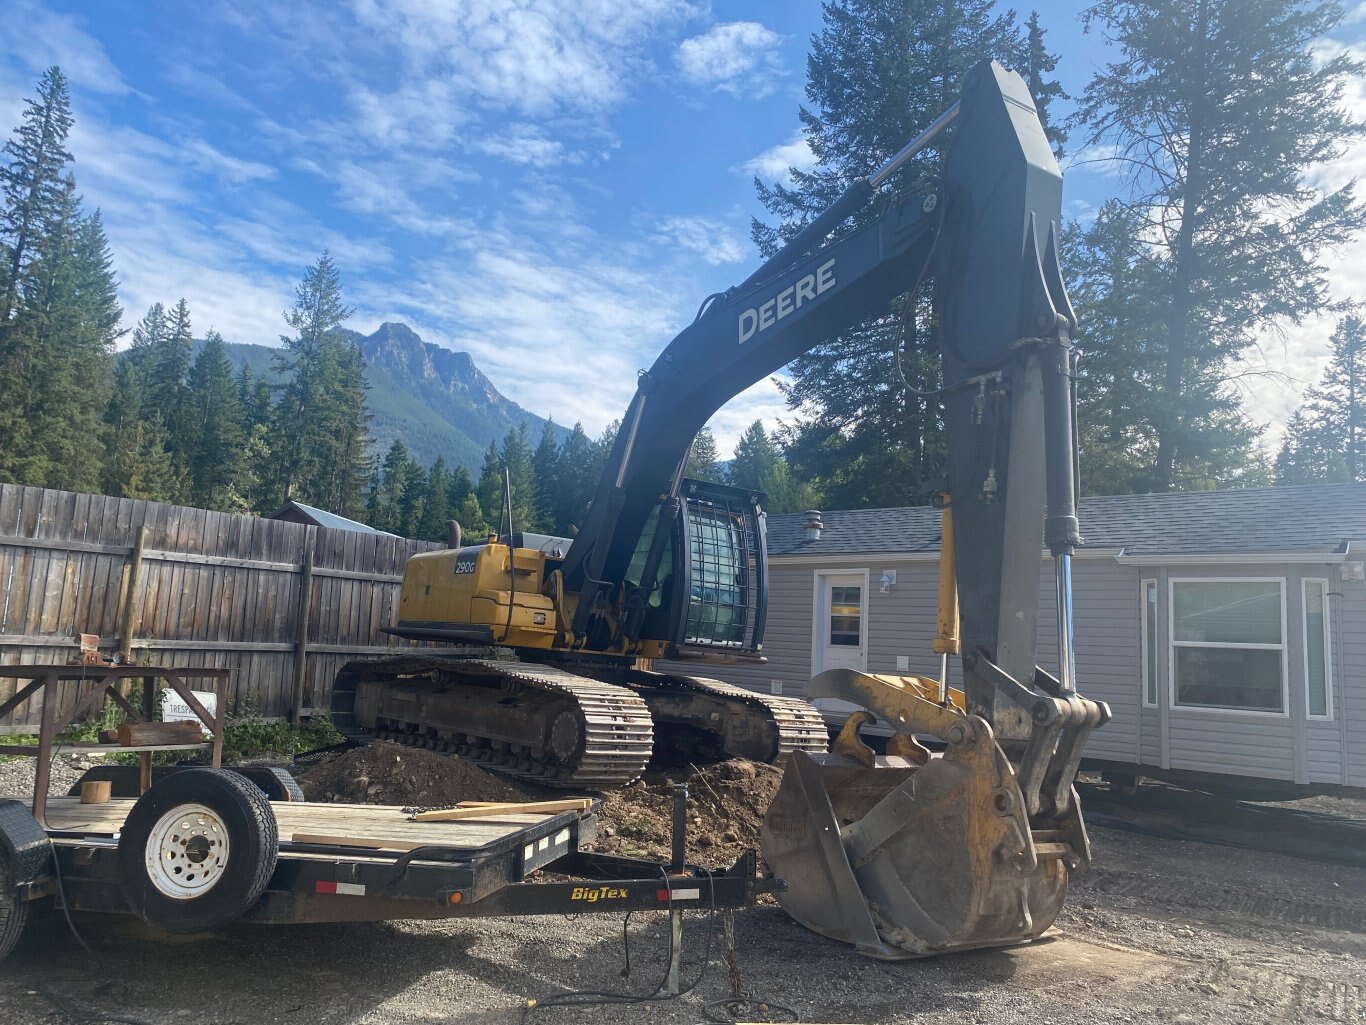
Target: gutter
x: 862, y: 558
x: 1340, y: 555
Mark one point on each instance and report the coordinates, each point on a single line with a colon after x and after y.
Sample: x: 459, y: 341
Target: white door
x: 841, y: 629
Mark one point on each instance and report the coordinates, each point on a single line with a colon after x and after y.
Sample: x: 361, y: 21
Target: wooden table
x: 104, y: 681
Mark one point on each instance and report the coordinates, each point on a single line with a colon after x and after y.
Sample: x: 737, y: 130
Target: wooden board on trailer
x: 382, y: 827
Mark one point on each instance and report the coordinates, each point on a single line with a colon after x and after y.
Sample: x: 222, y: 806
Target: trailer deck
x: 342, y: 825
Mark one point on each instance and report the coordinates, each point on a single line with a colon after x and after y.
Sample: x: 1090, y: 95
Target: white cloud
x: 739, y: 57
x: 776, y: 162
x: 230, y: 169
x: 528, y: 144
x: 38, y: 38
x: 716, y: 243
x: 560, y: 334
x: 762, y: 401
x: 536, y: 57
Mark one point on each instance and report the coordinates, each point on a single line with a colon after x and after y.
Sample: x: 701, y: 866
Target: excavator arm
x: 907, y: 856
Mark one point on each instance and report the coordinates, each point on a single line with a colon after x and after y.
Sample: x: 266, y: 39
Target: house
x: 1226, y: 629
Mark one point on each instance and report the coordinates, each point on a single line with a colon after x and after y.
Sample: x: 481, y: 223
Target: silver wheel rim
x: 187, y: 852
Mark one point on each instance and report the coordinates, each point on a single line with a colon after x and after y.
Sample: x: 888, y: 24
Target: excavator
x: 902, y: 854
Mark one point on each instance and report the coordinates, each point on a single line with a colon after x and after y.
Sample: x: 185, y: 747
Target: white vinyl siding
x: 1228, y: 644
x: 1318, y: 663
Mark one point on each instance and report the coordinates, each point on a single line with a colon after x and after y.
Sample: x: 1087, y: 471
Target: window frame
x: 1327, y: 648
x: 1147, y: 641
x: 1172, y: 644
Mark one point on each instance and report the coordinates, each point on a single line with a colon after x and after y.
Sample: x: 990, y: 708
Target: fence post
x: 130, y: 596
x: 296, y: 704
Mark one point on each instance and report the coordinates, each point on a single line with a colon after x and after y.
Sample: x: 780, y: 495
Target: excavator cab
x: 707, y: 595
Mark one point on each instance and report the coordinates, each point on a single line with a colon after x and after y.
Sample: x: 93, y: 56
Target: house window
x: 1228, y: 644
x: 1317, y: 673
x: 846, y: 614
x: 1150, y: 643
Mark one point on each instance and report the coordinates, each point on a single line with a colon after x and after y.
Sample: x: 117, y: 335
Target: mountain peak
x: 437, y: 400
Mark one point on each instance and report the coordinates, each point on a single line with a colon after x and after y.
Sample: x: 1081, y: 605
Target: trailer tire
x: 13, y: 908
x: 197, y: 850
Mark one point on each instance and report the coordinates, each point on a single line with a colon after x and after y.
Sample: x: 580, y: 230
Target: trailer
x: 199, y: 847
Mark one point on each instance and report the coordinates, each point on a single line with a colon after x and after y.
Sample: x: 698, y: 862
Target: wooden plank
x: 133, y: 733
x: 484, y: 810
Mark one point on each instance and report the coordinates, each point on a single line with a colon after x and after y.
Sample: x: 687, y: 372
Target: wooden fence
x: 180, y: 586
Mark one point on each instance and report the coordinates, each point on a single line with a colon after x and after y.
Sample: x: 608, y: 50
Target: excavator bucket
x: 906, y: 860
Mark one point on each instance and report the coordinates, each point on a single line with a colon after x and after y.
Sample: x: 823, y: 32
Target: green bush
x: 248, y: 734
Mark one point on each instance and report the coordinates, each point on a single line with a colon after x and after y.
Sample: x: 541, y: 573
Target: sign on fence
x: 173, y: 709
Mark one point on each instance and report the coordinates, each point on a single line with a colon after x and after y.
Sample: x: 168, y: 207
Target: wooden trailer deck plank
x: 378, y: 823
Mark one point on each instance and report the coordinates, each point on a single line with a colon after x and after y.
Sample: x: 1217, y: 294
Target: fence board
x: 217, y: 590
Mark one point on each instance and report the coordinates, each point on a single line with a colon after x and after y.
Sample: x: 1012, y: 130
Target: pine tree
x: 45, y: 283
x: 149, y: 336
x: 517, y: 458
x: 216, y: 432
x: 577, y: 469
x: 320, y: 424
x: 1216, y: 109
x: 1044, y: 90
x: 489, y: 491
x: 167, y: 385
x: 759, y: 464
x: 704, y: 462
x: 460, y: 487
x: 545, y: 466
x: 65, y: 326
x: 136, y: 463
x: 393, y: 482
x: 1325, y: 440
x: 437, y: 509
x: 416, y: 489
x: 31, y: 184
x: 756, y: 459
x: 879, y: 72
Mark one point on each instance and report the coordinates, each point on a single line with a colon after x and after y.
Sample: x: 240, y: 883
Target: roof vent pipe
x: 814, y: 526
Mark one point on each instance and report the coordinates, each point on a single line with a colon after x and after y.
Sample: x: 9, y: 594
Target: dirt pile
x: 385, y: 773
x: 726, y: 802
x: 726, y: 806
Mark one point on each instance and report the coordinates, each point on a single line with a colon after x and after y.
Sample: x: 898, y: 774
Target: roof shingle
x: 1305, y: 519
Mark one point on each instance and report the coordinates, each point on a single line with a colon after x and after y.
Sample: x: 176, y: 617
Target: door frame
x: 819, y: 613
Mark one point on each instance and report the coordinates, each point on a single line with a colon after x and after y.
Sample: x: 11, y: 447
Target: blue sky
x: 552, y: 186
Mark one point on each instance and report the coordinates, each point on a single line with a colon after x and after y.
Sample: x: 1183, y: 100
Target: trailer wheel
x: 13, y: 908
x: 197, y: 850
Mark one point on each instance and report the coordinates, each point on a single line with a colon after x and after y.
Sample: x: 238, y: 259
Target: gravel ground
x: 1159, y: 931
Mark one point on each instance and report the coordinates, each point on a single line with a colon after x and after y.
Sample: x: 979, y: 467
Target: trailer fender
x: 25, y: 859
x: 24, y: 845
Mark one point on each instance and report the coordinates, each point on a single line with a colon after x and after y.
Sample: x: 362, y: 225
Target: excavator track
x: 594, y: 729
x: 791, y: 724
x: 592, y: 735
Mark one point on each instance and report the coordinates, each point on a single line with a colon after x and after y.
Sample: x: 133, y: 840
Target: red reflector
x: 325, y: 887
x: 662, y: 895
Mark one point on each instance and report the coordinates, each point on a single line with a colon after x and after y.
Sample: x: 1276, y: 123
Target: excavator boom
x: 908, y: 855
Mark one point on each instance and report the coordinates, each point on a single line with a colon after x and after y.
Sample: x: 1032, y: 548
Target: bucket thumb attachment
x: 904, y: 860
